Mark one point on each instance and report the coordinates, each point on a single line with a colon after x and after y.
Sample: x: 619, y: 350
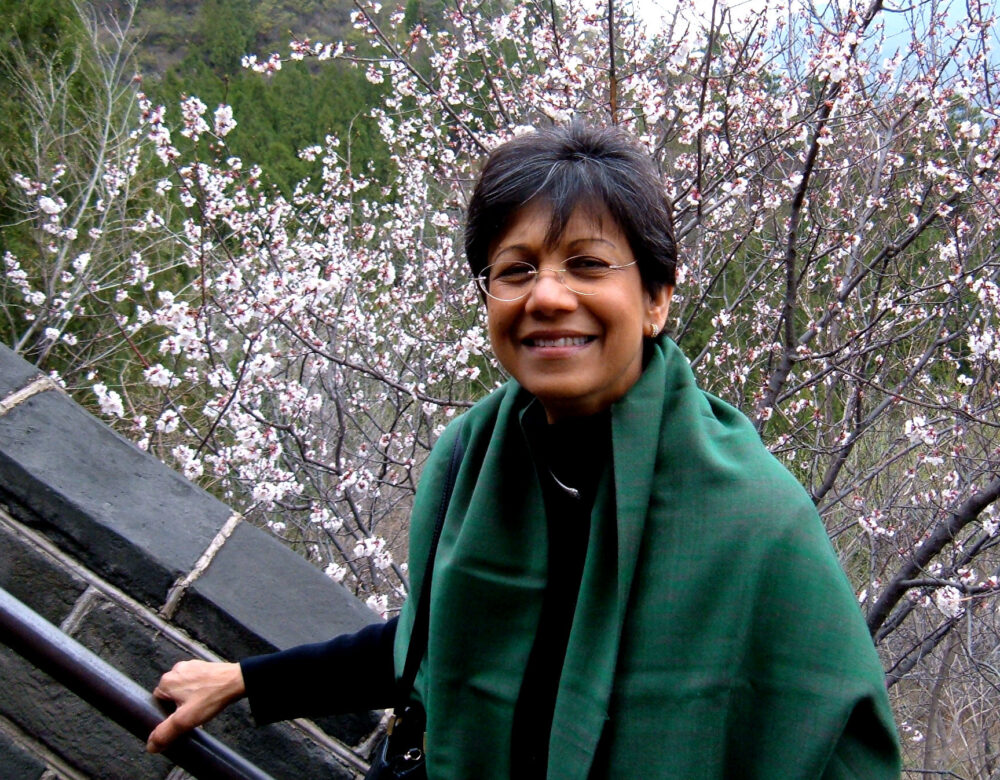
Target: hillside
x: 194, y: 47
x: 222, y: 29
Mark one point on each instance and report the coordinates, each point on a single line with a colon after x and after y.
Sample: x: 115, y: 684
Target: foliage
x: 835, y: 194
x: 293, y: 108
x: 74, y: 190
x: 55, y: 34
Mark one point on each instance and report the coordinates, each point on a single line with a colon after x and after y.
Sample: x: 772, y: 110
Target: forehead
x: 535, y: 225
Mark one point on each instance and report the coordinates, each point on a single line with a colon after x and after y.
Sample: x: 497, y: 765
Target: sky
x: 897, y: 24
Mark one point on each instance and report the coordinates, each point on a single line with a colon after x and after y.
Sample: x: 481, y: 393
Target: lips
x: 561, y: 341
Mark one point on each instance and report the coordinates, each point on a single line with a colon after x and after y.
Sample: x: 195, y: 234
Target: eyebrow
x: 593, y: 240
x: 574, y: 243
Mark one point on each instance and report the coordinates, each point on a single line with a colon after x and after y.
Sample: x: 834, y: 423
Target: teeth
x: 566, y: 341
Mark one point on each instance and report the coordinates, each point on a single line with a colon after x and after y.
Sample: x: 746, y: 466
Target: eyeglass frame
x: 482, y: 280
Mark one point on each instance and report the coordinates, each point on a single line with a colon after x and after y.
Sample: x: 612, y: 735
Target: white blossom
x: 949, y: 600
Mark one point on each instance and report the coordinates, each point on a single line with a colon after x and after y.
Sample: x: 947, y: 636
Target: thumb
x: 169, y: 729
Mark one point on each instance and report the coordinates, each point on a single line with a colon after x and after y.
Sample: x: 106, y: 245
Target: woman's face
x: 577, y: 354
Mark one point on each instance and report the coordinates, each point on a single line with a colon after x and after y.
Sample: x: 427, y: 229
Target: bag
x: 400, y: 754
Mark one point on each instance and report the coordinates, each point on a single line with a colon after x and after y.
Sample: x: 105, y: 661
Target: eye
x: 511, y: 272
x: 587, y: 266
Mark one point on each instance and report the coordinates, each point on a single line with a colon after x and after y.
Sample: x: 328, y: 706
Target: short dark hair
x: 570, y: 166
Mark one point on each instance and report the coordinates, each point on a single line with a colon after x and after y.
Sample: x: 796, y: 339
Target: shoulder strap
x: 418, y: 635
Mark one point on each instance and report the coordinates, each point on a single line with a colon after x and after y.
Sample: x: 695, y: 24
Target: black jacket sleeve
x: 350, y: 673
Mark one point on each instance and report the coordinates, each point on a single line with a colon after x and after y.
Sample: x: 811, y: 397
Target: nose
x: 550, y: 294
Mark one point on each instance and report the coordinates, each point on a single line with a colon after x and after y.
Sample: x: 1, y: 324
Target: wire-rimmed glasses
x: 511, y: 280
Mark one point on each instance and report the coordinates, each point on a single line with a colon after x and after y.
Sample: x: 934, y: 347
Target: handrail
x: 114, y: 694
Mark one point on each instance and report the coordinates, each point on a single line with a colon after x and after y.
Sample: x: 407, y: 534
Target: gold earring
x: 655, y: 329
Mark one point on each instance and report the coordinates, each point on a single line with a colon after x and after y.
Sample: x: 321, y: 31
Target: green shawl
x: 715, y: 634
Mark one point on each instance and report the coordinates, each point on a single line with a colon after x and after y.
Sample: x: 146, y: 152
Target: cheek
x: 496, y: 325
x: 626, y: 318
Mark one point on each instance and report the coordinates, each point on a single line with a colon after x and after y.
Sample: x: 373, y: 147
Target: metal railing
x: 114, y: 694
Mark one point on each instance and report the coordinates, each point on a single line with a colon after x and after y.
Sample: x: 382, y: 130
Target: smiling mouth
x: 565, y: 341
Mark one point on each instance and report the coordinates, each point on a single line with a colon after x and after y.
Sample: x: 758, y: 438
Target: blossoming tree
x: 834, y: 174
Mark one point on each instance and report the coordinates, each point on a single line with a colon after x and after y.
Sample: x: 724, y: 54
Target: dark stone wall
x: 144, y: 569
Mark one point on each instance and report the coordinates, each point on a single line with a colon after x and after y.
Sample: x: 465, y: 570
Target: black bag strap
x: 418, y: 634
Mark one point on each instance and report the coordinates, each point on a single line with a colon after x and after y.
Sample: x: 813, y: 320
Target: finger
x: 171, y: 682
x: 161, y: 736
x: 169, y: 729
x: 159, y: 693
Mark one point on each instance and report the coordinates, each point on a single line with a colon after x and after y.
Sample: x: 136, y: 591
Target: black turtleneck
x: 569, y: 456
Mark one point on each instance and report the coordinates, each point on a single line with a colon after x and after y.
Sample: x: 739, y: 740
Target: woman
x: 627, y: 583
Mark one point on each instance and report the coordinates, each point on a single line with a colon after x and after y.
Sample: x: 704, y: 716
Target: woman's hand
x: 201, y: 690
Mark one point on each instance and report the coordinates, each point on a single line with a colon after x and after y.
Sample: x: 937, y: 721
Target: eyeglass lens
x: 509, y: 280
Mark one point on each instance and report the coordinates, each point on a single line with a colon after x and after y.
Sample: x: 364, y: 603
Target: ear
x: 659, y: 307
